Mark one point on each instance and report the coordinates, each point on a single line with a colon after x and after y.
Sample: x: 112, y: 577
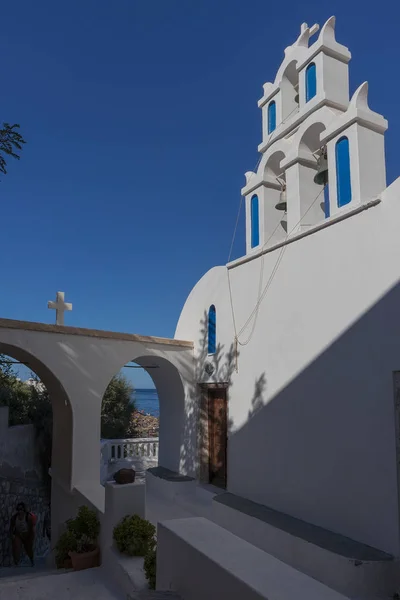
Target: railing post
x: 130, y: 448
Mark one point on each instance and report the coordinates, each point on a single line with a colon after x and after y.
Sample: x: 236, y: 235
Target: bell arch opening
x: 276, y: 202
x: 314, y: 180
x: 290, y: 90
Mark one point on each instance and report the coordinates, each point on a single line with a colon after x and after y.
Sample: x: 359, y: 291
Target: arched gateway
x: 76, y: 366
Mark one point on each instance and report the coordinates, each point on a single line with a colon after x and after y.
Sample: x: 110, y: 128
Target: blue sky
x: 141, y: 118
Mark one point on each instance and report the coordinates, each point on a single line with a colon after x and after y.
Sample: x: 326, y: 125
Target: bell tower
x: 322, y: 153
x: 356, y: 154
x: 324, y: 73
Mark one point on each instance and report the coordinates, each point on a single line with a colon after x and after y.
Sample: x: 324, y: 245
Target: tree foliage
x: 28, y: 404
x: 10, y: 142
x: 117, y: 408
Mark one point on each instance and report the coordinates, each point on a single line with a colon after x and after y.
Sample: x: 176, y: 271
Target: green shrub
x: 81, y: 535
x: 150, y: 567
x: 67, y: 542
x: 134, y: 536
x: 85, y: 525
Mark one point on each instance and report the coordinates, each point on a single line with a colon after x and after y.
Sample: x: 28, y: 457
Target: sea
x: 147, y: 401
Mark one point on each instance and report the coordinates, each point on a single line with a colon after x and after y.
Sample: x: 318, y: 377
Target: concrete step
x: 154, y: 595
x: 23, y: 574
x: 91, y: 584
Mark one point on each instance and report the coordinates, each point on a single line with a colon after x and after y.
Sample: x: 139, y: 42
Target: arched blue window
x: 343, y: 180
x: 212, y: 330
x: 271, y: 116
x: 327, y: 209
x: 311, y: 81
x: 255, y: 222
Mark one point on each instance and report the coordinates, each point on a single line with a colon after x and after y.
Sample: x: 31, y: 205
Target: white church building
x: 303, y: 340
x: 280, y: 392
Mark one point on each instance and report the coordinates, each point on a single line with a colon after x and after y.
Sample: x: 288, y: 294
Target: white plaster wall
x: 120, y: 501
x: 335, y: 83
x: 311, y: 409
x: 371, y: 152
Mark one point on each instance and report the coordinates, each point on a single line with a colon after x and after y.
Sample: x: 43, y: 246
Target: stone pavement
x: 83, y: 585
x: 92, y: 584
x: 24, y: 569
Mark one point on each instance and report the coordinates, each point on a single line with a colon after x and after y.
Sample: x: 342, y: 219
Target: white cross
x: 60, y: 307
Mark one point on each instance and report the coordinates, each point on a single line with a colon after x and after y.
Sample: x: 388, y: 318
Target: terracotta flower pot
x: 124, y: 476
x: 85, y: 560
x: 67, y: 563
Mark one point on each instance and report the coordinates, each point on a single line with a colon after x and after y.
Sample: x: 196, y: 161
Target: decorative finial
x: 360, y: 97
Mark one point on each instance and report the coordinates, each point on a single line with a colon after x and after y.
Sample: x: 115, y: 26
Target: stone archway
x: 76, y: 365
x: 175, y: 425
x: 61, y: 463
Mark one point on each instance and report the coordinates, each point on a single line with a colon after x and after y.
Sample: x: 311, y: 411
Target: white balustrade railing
x: 114, y: 450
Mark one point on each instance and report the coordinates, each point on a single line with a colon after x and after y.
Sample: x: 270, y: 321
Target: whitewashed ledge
x: 137, y: 453
x: 193, y: 560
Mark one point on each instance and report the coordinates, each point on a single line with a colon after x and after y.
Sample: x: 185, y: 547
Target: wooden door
x: 217, y: 436
x: 396, y: 378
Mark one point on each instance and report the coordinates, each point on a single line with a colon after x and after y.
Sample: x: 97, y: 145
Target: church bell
x: 282, y: 204
x: 321, y: 178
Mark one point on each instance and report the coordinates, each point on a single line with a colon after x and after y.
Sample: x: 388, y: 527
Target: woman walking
x: 22, y: 532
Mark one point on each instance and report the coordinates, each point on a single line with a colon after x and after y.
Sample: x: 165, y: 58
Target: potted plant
x: 134, y: 536
x: 79, y: 541
x: 67, y: 543
x: 86, y: 528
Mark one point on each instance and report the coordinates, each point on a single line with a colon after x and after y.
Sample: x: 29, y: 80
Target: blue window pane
x: 271, y: 116
x: 255, y: 222
x: 311, y: 81
x: 327, y: 209
x: 343, y: 179
x: 212, y: 330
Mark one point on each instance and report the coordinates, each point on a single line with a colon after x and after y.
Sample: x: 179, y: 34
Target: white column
x: 293, y: 198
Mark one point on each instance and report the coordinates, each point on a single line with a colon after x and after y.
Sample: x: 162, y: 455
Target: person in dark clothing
x: 47, y: 525
x: 22, y: 533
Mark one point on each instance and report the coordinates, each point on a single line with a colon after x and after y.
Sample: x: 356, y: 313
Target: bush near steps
x: 135, y: 536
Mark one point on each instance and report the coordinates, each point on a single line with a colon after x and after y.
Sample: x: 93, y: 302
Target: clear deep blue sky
x: 141, y: 118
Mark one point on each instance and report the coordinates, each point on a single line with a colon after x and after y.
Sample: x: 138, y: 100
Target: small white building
x: 297, y: 343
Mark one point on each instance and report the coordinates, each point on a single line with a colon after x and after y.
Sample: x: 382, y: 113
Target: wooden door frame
x: 203, y: 438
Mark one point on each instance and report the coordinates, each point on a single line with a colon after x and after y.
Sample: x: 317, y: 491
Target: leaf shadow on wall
x: 224, y: 365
